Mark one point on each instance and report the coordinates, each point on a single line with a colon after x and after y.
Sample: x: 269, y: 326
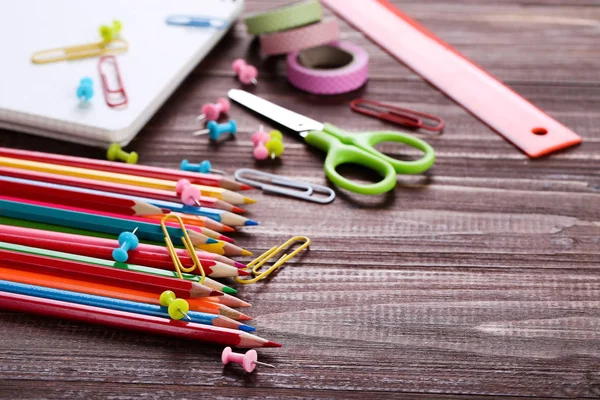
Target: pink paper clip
x: 397, y: 115
x: 113, y: 97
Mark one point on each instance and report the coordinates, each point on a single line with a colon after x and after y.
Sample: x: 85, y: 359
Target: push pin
x: 215, y: 130
x: 267, y: 144
x: 275, y: 145
x: 204, y: 167
x: 116, y: 153
x: 177, y: 308
x: 249, y: 360
x: 212, y: 111
x: 109, y: 33
x: 190, y: 194
x: 127, y: 241
x: 247, y: 74
x: 85, y: 91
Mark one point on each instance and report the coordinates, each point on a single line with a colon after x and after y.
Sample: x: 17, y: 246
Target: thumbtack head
x: 205, y: 166
x: 113, y: 151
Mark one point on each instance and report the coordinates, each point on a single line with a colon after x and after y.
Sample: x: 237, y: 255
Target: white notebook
x: 41, y: 98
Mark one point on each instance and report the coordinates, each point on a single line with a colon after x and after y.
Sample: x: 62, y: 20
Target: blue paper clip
x: 199, y: 22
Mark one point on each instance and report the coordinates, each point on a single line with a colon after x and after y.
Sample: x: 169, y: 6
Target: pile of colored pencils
x: 60, y: 220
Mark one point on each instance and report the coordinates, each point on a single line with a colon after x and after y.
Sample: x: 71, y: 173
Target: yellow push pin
x: 178, y: 308
x: 109, y: 33
x: 115, y: 152
x: 275, y: 145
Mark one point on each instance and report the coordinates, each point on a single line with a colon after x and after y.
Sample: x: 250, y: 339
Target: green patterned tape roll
x: 288, y: 17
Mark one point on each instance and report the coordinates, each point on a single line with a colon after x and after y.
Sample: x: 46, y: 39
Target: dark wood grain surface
x: 481, y: 278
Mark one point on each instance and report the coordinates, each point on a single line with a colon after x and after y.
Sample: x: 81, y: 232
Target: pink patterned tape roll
x: 327, y: 76
x: 301, y: 38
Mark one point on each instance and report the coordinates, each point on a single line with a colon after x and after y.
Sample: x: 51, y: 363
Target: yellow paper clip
x: 188, y: 246
x: 76, y: 52
x: 266, y: 256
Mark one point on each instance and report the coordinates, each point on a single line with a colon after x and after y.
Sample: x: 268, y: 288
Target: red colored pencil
x: 126, y: 320
x: 115, y: 205
x: 133, y: 280
x: 113, y: 187
x: 145, y: 254
x: 122, y: 168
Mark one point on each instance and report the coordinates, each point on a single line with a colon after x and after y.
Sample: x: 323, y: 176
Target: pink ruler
x: 515, y: 118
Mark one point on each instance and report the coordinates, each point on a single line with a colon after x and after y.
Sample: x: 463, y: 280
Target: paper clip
x: 189, y: 246
x: 249, y: 176
x: 266, y: 256
x: 76, y: 52
x: 113, y: 97
x: 400, y: 116
x: 199, y: 22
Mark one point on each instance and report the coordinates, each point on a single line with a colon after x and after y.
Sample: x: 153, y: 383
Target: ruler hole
x: 539, y: 131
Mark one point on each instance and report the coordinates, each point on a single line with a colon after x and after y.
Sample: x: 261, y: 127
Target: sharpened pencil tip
x: 228, y: 290
x: 216, y: 293
x: 248, y: 200
x: 242, y: 272
x: 246, y: 187
x: 238, y: 264
x: 238, y: 210
x: 211, y: 241
x: 247, y: 328
x: 244, y: 317
x: 226, y: 228
x: 246, y: 253
x: 271, y: 344
x: 226, y: 239
x: 250, y: 223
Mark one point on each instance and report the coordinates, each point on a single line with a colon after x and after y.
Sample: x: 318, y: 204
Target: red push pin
x: 211, y: 112
x: 248, y: 360
x: 190, y: 194
x: 247, y: 74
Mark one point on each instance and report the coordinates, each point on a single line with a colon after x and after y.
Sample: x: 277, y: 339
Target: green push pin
x: 115, y: 152
x: 177, y: 308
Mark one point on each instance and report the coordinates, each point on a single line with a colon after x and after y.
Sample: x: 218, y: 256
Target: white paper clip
x: 276, y: 184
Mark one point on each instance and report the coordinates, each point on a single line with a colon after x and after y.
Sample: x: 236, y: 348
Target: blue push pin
x: 127, y: 241
x: 204, y: 167
x: 85, y: 91
x: 215, y: 130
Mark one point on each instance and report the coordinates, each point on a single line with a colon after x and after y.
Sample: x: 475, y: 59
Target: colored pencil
x: 20, y: 188
x: 11, y: 239
x: 132, y: 321
x: 112, y: 187
x: 101, y: 289
x: 102, y: 201
x: 139, y: 170
x: 110, y: 240
x: 197, y: 220
x: 32, y: 248
x: 219, y: 193
x: 37, y: 211
x: 117, y: 304
x: 135, y: 280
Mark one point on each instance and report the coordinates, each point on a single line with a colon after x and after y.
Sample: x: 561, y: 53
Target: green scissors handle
x: 343, y: 148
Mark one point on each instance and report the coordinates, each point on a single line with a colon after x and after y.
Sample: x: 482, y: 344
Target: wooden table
x: 480, y: 278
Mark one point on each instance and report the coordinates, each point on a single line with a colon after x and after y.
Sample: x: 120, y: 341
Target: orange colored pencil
x: 100, y: 289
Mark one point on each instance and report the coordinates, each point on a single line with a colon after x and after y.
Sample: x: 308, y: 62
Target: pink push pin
x: 190, y: 194
x: 259, y: 138
x: 248, y: 360
x: 247, y: 74
x: 211, y: 112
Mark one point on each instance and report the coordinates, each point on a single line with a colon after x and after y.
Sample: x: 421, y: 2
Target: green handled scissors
x: 343, y: 147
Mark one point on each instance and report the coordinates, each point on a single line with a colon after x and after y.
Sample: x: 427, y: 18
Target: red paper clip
x: 113, y: 97
x: 401, y: 116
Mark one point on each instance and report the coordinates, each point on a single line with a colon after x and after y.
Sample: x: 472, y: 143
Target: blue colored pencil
x: 225, y: 217
x: 29, y: 211
x: 119, y: 305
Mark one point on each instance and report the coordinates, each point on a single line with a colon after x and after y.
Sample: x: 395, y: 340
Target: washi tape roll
x: 329, y: 69
x: 288, y: 17
x: 326, y: 31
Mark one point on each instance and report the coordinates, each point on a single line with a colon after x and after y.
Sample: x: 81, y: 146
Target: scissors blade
x: 283, y: 116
